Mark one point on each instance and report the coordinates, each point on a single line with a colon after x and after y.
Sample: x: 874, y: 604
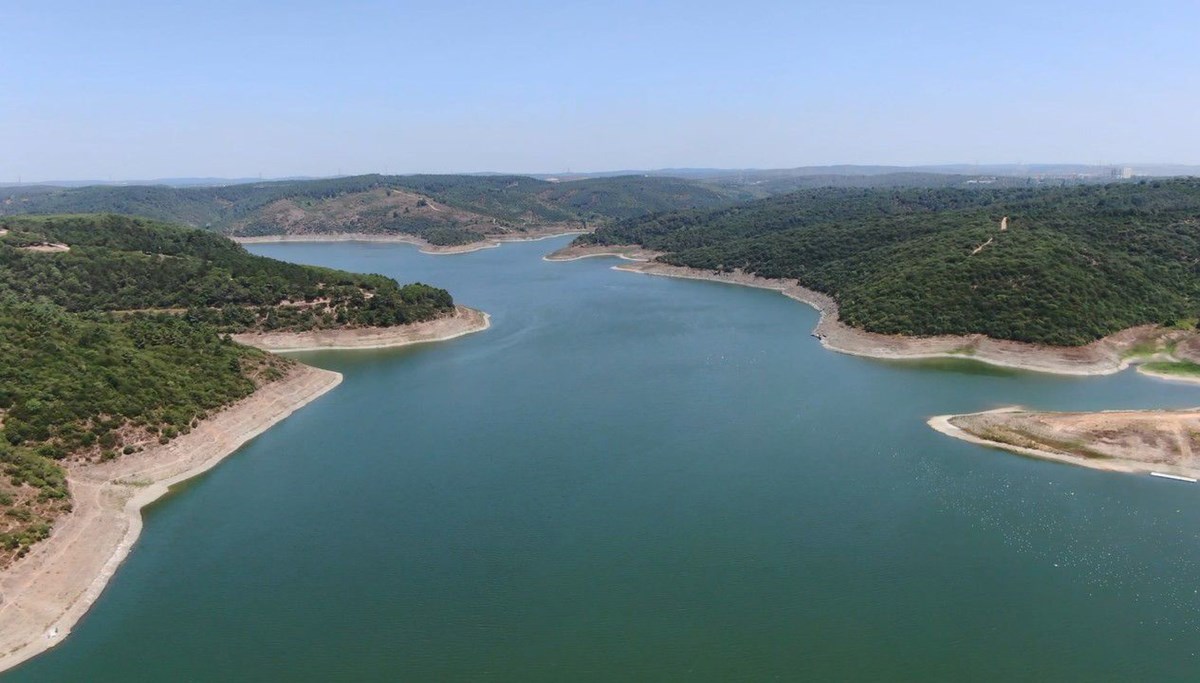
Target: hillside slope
x: 442, y: 209
x: 1068, y: 266
x: 113, y: 338
x: 116, y: 263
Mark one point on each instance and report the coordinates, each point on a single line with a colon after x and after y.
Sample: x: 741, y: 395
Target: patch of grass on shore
x: 1148, y: 347
x: 1184, y: 368
x: 1023, y: 439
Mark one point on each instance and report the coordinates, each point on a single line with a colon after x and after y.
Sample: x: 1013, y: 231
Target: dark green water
x: 636, y: 478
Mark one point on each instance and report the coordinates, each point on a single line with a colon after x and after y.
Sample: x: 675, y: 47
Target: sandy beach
x: 425, y: 246
x: 464, y: 321
x: 1102, y: 357
x: 44, y: 594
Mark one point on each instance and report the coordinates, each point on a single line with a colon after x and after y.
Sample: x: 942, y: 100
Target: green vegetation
x: 1181, y: 368
x: 1142, y: 349
x: 117, y: 263
x: 92, y: 386
x: 1075, y: 264
x: 443, y: 209
x: 118, y: 343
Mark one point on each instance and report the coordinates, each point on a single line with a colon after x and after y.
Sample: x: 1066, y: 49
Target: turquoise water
x: 638, y: 478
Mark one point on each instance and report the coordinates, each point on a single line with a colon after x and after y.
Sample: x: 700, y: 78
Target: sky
x: 135, y: 90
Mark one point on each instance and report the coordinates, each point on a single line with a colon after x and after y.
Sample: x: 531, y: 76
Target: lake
x: 639, y: 478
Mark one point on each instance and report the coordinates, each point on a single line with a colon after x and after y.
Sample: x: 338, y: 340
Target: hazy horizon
x: 131, y: 92
x: 984, y: 168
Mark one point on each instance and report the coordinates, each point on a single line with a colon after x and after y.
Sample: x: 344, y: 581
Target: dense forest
x: 1074, y: 263
x: 112, y: 335
x: 117, y: 263
x: 443, y: 209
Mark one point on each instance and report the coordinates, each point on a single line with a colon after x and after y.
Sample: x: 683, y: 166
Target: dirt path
x: 980, y: 247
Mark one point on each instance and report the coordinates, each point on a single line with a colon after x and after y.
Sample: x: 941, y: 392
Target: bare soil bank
x: 44, y: 594
x: 627, y: 252
x: 1119, y: 440
x: 426, y: 247
x: 463, y: 321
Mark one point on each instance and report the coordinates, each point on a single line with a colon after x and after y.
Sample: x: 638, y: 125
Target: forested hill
x: 117, y: 263
x: 1074, y: 263
x: 443, y: 209
x: 111, y: 340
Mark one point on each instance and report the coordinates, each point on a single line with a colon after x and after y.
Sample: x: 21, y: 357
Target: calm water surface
x: 637, y: 478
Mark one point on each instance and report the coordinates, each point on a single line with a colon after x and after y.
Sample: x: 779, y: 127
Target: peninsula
x: 1163, y: 441
x: 132, y: 367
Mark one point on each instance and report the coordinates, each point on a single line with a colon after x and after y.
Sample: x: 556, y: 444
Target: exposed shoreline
x: 627, y: 252
x: 942, y: 424
x: 426, y: 247
x: 1185, y: 379
x: 43, y: 595
x: 1106, y: 356
x: 464, y: 321
x: 1113, y: 421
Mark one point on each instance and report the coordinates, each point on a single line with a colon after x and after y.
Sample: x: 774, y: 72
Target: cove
x: 639, y: 478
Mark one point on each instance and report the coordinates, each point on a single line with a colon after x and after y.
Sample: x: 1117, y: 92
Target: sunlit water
x: 638, y: 478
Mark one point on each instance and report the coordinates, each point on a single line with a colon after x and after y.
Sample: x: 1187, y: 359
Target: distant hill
x: 1097, y: 172
x: 452, y: 209
x: 1072, y: 264
x: 769, y: 184
x: 443, y: 209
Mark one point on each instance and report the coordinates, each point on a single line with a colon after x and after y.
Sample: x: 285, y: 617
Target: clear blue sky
x: 122, y: 89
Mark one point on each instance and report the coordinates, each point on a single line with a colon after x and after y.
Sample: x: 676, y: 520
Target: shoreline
x: 425, y: 247
x: 944, y: 424
x: 574, y: 253
x: 464, y: 321
x: 43, y: 595
x: 1184, y: 379
x: 1109, y: 355
x: 1105, y: 356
